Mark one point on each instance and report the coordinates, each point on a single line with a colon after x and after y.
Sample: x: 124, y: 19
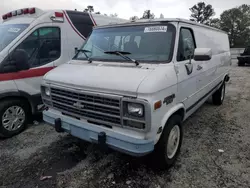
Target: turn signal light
x: 157, y: 105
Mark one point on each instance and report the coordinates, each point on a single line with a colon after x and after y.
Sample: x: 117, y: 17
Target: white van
x: 32, y: 43
x: 134, y: 84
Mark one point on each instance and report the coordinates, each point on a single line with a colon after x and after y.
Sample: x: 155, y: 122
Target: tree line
x: 235, y: 21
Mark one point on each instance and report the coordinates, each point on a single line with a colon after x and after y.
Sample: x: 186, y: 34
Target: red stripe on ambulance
x: 25, y: 74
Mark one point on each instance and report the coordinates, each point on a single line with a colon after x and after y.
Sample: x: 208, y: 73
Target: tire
x: 241, y: 63
x: 219, y: 95
x: 162, y: 154
x: 7, y: 109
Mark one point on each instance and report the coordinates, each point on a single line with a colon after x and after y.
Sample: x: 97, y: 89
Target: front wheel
x: 219, y: 95
x: 13, y: 117
x: 168, y: 147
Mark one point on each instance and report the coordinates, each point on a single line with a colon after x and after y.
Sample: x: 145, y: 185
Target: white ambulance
x: 32, y: 43
x: 135, y: 83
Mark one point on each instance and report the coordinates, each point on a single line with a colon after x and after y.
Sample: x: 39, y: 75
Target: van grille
x: 97, y: 108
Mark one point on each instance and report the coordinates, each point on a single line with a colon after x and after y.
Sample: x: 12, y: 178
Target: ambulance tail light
x: 4, y: 17
x: 19, y: 12
x: 32, y: 10
x: 26, y: 11
x: 59, y: 14
x: 57, y: 17
x: 9, y: 15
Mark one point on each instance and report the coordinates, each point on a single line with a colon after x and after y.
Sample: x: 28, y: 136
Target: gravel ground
x: 40, y: 151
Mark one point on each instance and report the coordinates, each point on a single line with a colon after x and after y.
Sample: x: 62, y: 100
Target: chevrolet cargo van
x: 132, y: 85
x: 32, y: 43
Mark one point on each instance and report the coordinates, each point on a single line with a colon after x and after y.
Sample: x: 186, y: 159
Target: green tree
x: 148, y: 15
x: 202, y: 13
x: 89, y: 9
x: 134, y: 18
x: 236, y: 22
x: 161, y: 16
x: 215, y: 23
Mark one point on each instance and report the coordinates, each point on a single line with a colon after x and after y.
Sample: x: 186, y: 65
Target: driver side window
x: 186, y: 45
x: 42, y: 46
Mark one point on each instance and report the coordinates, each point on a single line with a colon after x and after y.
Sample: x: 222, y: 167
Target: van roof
x: 161, y: 20
x: 19, y: 14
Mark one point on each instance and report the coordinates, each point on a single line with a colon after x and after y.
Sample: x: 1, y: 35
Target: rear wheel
x: 13, y: 117
x: 168, y: 147
x: 219, y: 95
x: 241, y: 63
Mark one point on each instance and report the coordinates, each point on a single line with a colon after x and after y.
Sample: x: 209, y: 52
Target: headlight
x: 47, y: 91
x: 135, y: 109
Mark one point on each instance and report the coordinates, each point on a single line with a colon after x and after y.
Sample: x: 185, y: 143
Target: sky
x: 124, y: 8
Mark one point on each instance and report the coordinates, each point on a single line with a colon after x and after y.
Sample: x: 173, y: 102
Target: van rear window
x: 9, y: 32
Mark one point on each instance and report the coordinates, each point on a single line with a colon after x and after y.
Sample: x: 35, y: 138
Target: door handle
x: 199, y: 67
x: 189, y: 68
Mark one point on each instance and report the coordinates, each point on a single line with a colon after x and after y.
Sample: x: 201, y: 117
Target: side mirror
x: 20, y: 58
x: 202, y: 54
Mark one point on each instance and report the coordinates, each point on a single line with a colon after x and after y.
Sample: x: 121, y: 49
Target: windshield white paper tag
x: 155, y: 29
x: 14, y: 30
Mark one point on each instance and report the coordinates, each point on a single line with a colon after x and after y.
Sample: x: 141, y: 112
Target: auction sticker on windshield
x: 155, y: 29
x: 13, y: 30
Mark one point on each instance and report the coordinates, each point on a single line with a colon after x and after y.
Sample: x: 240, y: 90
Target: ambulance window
x: 42, y: 46
x: 186, y: 44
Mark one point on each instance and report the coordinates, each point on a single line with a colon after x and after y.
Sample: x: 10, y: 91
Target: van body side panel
x: 215, y: 69
x: 69, y: 41
x: 159, y: 85
x: 81, y: 21
x: 173, y: 84
x: 7, y: 86
x: 187, y: 88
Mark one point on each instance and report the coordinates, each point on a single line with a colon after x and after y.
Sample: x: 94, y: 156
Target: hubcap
x: 173, y: 141
x: 13, y: 118
x: 222, y: 92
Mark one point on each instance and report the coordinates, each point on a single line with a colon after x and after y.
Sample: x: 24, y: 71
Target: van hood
x: 101, y: 77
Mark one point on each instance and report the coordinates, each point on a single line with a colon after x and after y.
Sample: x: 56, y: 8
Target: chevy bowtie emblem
x: 78, y: 105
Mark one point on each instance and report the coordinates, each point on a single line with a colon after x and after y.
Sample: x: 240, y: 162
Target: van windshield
x: 9, y: 32
x: 144, y: 43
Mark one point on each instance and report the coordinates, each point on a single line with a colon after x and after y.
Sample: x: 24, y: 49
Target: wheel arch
x: 21, y: 96
x: 178, y: 109
x: 226, y: 78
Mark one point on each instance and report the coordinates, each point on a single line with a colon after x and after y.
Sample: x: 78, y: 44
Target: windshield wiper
x: 123, y: 54
x: 84, y: 52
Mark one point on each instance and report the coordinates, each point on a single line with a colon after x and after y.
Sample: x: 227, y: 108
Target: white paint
x: 203, y: 52
x: 154, y: 82
x: 69, y: 41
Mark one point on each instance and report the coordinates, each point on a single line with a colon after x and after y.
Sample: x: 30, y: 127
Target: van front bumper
x: 97, y: 134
